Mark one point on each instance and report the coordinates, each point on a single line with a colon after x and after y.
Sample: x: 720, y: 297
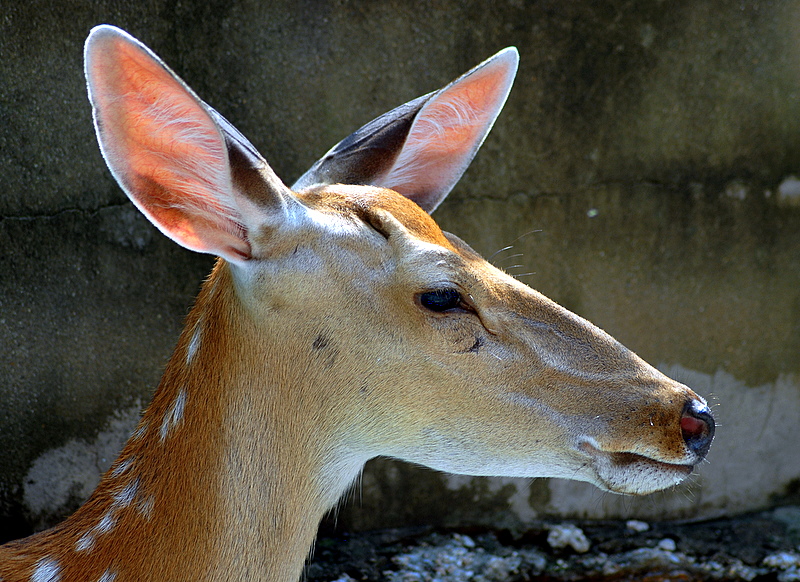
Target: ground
x: 757, y: 547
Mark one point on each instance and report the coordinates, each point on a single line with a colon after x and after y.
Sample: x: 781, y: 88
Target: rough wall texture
x: 643, y: 168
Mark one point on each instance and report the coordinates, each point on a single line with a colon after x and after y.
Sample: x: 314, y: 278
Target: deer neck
x: 227, y: 474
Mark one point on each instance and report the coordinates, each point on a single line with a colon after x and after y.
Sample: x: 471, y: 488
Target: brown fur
x: 311, y: 347
x: 280, y: 386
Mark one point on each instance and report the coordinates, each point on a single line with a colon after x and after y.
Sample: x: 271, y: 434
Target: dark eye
x: 440, y: 300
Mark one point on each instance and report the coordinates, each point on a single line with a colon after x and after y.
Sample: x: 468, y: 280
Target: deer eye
x: 440, y: 300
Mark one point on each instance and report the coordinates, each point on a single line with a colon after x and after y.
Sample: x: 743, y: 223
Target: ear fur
x: 421, y: 148
x: 181, y: 162
x: 167, y: 149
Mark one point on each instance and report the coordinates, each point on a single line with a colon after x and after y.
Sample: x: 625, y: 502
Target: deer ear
x: 422, y: 148
x: 167, y: 149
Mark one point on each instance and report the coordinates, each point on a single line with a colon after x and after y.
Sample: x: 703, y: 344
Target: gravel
x: 761, y: 547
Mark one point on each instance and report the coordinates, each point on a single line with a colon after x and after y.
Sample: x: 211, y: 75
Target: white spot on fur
x: 107, y: 523
x: 140, y: 430
x: 86, y: 542
x: 108, y: 576
x: 125, y: 497
x: 47, y: 570
x: 174, y: 415
x: 145, y: 506
x: 194, y: 342
x: 122, y: 466
x: 121, y: 499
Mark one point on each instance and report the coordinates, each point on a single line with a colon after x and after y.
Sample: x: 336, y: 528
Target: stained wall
x: 644, y: 170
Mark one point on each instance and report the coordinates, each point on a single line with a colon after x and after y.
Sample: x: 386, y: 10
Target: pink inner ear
x: 448, y: 132
x: 459, y: 114
x: 163, y: 147
x: 160, y: 120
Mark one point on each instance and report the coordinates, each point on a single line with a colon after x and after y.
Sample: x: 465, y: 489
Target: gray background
x: 644, y: 166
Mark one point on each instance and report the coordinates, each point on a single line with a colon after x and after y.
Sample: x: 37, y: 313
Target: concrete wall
x: 644, y: 167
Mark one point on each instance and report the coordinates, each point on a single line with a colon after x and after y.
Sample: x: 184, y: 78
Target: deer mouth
x: 633, y: 473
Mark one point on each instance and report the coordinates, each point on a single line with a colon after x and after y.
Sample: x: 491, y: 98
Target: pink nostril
x: 697, y: 427
x: 692, y: 427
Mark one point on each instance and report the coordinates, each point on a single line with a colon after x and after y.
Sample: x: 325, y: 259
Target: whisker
x: 525, y: 234
x: 509, y: 257
x: 500, y: 251
x: 511, y: 246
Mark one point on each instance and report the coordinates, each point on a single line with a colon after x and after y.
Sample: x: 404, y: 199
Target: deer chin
x: 632, y: 473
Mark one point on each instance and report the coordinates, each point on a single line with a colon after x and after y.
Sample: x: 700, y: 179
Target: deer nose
x: 697, y: 427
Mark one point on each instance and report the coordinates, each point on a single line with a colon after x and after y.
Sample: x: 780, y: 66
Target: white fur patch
x: 108, y: 576
x: 122, y: 466
x: 47, y: 570
x: 86, y: 542
x: 140, y: 430
x: 107, y: 523
x: 145, y: 506
x: 174, y: 416
x: 194, y: 342
x: 121, y: 499
x: 125, y: 497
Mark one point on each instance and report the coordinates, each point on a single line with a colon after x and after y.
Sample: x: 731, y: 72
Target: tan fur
x: 314, y: 345
x: 321, y: 359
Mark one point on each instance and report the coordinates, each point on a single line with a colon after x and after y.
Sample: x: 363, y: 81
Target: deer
x: 339, y: 324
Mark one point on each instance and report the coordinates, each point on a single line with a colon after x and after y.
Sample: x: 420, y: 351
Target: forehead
x: 360, y: 202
